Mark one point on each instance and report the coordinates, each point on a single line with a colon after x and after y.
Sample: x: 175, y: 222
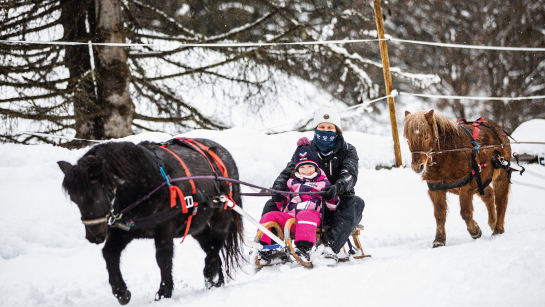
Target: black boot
x: 303, y: 249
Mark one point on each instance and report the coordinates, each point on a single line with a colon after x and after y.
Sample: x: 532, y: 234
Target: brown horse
x: 442, y: 153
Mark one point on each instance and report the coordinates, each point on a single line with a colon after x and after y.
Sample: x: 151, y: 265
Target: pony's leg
x: 466, y: 211
x: 111, y: 252
x: 211, y: 241
x: 488, y: 199
x: 439, y: 200
x: 501, y: 192
x: 164, y: 251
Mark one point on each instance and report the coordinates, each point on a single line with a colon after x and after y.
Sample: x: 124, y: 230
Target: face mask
x: 325, y: 140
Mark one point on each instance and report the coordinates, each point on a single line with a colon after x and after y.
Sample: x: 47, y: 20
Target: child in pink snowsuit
x: 305, y: 208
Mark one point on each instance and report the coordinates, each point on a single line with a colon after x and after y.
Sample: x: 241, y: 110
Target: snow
x: 46, y: 261
x: 530, y: 131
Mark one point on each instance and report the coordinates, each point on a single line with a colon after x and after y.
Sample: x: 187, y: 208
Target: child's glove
x: 330, y: 192
x: 303, y: 141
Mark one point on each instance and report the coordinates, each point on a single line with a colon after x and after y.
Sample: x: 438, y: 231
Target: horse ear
x: 429, y: 116
x: 407, y: 113
x: 65, y: 166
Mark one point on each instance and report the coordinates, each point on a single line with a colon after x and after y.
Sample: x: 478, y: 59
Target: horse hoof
x: 497, y: 232
x: 438, y: 244
x: 162, y: 294
x: 125, y: 298
x: 214, y: 282
x: 475, y: 237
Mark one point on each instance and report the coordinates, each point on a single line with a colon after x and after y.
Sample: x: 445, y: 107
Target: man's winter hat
x: 327, y: 114
x: 305, y: 154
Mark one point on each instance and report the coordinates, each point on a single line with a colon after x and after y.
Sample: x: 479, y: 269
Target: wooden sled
x: 354, y: 244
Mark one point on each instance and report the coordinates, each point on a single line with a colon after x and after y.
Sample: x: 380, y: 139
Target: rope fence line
x: 464, y: 46
x: 326, y: 42
x: 250, y: 44
x: 58, y: 136
x: 472, y: 97
x: 366, y: 103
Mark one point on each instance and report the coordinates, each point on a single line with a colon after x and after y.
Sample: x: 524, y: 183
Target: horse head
x: 420, y: 130
x: 92, y: 187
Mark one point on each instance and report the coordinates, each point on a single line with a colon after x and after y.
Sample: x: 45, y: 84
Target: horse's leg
x: 111, y: 252
x: 164, y: 252
x: 466, y: 211
x: 501, y: 192
x: 439, y: 200
x: 488, y: 199
x: 211, y: 241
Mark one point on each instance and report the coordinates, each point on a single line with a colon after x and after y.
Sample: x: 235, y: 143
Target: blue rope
x: 164, y: 175
x: 476, y: 145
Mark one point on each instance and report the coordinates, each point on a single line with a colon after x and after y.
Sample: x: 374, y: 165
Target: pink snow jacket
x: 294, y: 203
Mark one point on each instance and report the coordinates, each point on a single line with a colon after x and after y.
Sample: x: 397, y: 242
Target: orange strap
x: 216, y: 159
x: 174, y: 193
x: 214, y: 156
x: 187, y: 227
x: 187, y: 173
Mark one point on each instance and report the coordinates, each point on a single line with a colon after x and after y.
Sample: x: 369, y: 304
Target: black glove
x: 278, y: 197
x: 330, y: 192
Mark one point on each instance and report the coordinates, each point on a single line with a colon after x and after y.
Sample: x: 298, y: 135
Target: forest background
x: 100, y: 92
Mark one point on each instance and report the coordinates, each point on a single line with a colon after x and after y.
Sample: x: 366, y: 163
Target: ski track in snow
x: 46, y: 261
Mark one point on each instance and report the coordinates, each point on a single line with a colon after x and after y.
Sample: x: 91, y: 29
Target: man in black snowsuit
x: 339, y: 160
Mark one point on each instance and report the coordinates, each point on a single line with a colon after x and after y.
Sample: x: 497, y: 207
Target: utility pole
x: 388, y: 81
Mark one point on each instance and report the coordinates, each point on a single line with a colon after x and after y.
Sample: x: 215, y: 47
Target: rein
x: 429, y: 153
x: 131, y: 206
x: 112, y: 218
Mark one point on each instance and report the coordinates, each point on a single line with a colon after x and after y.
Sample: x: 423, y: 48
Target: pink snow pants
x: 304, y: 227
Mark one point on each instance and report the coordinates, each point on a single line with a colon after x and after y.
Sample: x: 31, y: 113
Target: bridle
x: 110, y: 217
x: 429, y: 153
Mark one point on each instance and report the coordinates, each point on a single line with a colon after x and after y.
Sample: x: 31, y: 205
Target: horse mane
x: 102, y: 163
x: 443, y: 128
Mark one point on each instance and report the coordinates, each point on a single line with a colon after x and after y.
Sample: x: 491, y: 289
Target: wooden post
x: 388, y: 81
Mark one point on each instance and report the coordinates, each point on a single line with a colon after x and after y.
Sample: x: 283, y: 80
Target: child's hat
x: 305, y: 154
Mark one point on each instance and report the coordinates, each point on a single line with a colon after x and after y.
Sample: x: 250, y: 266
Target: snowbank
x: 530, y: 131
x: 46, y: 261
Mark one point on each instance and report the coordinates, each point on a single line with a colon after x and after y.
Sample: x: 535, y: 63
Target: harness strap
x: 476, y: 168
x: 206, y: 152
x: 481, y: 166
x: 187, y: 173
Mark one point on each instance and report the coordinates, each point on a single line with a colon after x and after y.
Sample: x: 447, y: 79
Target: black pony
x: 112, y: 176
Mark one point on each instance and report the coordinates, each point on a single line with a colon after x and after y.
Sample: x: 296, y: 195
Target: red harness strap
x: 187, y: 173
x: 200, y: 147
x: 175, y: 192
x: 481, y: 166
x: 475, y: 124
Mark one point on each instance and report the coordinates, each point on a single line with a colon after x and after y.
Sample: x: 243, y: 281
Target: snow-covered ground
x: 46, y: 261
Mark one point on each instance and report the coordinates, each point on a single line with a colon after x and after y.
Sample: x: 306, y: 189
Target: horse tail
x: 232, y: 253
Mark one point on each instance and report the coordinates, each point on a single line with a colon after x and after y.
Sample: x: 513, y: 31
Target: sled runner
x: 282, y: 255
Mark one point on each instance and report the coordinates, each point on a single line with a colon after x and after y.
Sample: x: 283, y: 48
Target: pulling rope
x: 145, y: 197
x: 528, y: 185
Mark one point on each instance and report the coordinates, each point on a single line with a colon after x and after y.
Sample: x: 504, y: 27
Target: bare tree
x: 109, y: 91
x: 467, y: 72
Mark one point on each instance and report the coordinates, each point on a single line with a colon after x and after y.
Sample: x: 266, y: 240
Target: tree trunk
x: 113, y: 75
x: 78, y: 62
